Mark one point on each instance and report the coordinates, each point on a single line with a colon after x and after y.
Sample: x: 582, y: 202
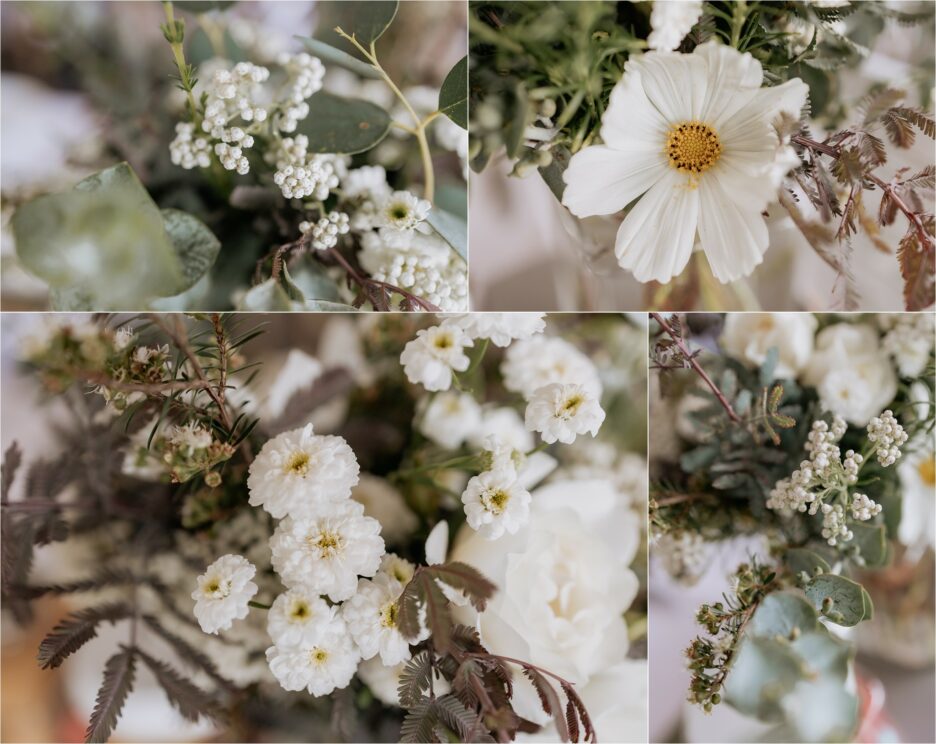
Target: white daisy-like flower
x: 402, y: 211
x: 506, y: 425
x: 398, y: 569
x: 690, y: 144
x: 431, y: 357
x: 371, y: 616
x: 223, y: 592
x: 325, y: 551
x: 560, y: 412
x: 529, y: 365
x: 296, y: 617
x: 450, y: 418
x: 670, y: 21
x: 298, y: 470
x: 496, y: 503
x: 319, y: 667
x: 500, y: 328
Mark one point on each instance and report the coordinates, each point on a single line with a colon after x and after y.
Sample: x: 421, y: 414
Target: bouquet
x: 812, y: 436
x: 428, y: 529
x: 258, y: 173
x: 670, y: 130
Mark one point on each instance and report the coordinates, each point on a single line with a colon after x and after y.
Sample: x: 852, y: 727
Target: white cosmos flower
x: 528, y: 365
x: 371, y: 616
x: 918, y: 507
x: 325, y: 552
x: 321, y: 666
x: 297, y: 616
x: 496, y: 503
x: 690, y: 140
x: 749, y: 336
x: 670, y: 21
x: 223, y: 592
x: 450, y: 418
x: 500, y: 328
x: 560, y: 412
x: 431, y: 357
x: 298, y: 470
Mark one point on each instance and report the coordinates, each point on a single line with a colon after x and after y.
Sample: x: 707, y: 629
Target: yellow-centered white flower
x: 690, y: 144
x: 223, y: 591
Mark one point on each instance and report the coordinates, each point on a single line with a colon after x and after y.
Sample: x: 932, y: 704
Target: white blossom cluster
x: 324, y: 233
x: 305, y: 75
x: 909, y: 340
x: 497, y: 500
x: 670, y: 21
x: 685, y: 555
x: 821, y: 483
x: 301, y: 174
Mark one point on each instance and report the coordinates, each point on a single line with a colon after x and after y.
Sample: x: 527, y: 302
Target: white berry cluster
x: 187, y: 150
x: 305, y: 78
x: 301, y: 174
x: 324, y: 233
x: 887, y: 435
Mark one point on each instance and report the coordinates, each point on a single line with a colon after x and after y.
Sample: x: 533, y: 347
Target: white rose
x: 851, y: 372
x: 749, y: 336
x: 563, y: 585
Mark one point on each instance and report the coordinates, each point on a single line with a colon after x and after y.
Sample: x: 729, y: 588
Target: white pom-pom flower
x: 223, y: 592
x: 496, y: 503
x: 450, y: 418
x: 431, y: 357
x: 670, y: 21
x: 296, y: 617
x: 561, y: 412
x: 298, y: 470
x: 326, y: 551
x: 500, y: 328
x: 529, y: 365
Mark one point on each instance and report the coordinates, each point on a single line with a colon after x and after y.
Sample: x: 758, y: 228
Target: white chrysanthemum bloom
x: 326, y: 551
x: 296, y: 617
x: 500, y: 328
x: 223, y: 592
x: 529, y: 469
x: 298, y: 470
x: 371, y: 617
x: 450, y: 418
x: 496, y: 503
x: 750, y: 336
x: 386, y: 504
x: 431, y: 357
x: 403, y: 211
x: 690, y: 140
x: 910, y: 341
x: 529, y: 365
x: 670, y: 21
x: 506, y: 425
x: 561, y: 412
x: 320, y: 667
x: 398, y: 569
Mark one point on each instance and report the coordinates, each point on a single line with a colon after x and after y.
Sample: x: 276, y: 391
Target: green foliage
x: 196, y: 248
x: 366, y: 20
x: 328, y: 53
x: 453, y: 95
x: 343, y: 125
x: 453, y: 230
x: 843, y: 601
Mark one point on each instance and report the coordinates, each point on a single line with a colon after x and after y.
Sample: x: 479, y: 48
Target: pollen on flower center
x: 571, y: 404
x: 927, y: 470
x: 388, y: 615
x: 326, y: 542
x: 299, y: 611
x: 693, y: 147
x: 318, y: 655
x: 217, y: 588
x: 497, y: 500
x: 298, y: 463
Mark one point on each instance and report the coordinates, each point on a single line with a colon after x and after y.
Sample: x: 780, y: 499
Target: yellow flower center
x: 388, y: 615
x: 497, y: 500
x: 298, y: 463
x: 927, y: 470
x: 693, y: 147
x: 327, y: 542
x: 318, y: 655
x: 571, y: 404
x: 300, y: 611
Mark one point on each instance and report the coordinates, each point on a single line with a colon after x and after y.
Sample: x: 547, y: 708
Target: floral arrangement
x: 264, y: 189
x: 431, y: 529
x: 814, y: 435
x: 677, y: 126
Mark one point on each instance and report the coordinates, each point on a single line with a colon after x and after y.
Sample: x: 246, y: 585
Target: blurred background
x: 528, y: 252
x: 85, y: 85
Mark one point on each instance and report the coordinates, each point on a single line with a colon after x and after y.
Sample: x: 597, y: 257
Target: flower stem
x: 258, y: 605
x: 173, y: 31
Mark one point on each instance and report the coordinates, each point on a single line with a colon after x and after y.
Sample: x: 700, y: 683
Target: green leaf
x: 266, y: 296
x: 453, y: 95
x: 324, y: 306
x: 782, y: 614
x: 698, y: 458
x: 871, y: 540
x: 203, y: 6
x: 513, y: 136
x: 552, y: 173
x: 195, y: 246
x: 328, y: 53
x: 763, y: 672
x: 451, y: 229
x: 823, y: 653
x: 849, y: 601
x: 72, y: 299
x: 343, y: 125
x: 769, y: 365
x: 311, y: 282
x: 366, y: 20
x: 800, y: 560
x: 822, y: 710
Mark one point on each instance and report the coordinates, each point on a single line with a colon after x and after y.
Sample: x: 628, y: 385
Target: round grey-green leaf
x: 329, y: 54
x: 453, y: 95
x: 269, y: 295
x: 780, y: 613
x: 849, y: 603
x: 451, y: 229
x: 195, y: 246
x: 343, y: 125
x: 763, y: 671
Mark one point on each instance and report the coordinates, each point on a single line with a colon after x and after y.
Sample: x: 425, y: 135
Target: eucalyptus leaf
x: 195, y: 246
x: 343, y: 125
x: 823, y: 653
x: 696, y: 459
x: 294, y: 293
x: 451, y: 229
x: 727, y: 481
x: 453, y: 95
x: 801, y: 560
x: 871, y: 540
x: 311, y: 281
x: 822, y: 710
x: 71, y: 299
x: 782, y: 614
x: 849, y: 605
x: 763, y: 672
x: 203, y: 6
x: 328, y: 53
x: 552, y: 173
x: 266, y: 296
x: 768, y: 367
x: 366, y: 20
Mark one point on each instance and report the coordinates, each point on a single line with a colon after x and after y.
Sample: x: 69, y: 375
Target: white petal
x: 731, y: 77
x: 600, y: 180
x: 763, y: 105
x: 675, y: 83
x: 631, y: 122
x: 655, y: 240
x: 733, y: 237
